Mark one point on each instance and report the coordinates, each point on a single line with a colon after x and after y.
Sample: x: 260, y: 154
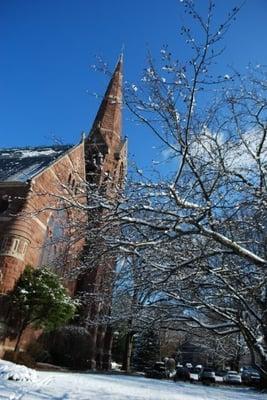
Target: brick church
x: 38, y: 186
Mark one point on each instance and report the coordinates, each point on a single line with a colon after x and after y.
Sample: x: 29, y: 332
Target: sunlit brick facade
x: 33, y: 184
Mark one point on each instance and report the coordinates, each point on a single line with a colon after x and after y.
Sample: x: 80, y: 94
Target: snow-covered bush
x: 14, y: 372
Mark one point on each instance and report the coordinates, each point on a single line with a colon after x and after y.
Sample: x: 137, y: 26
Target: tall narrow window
x: 121, y: 175
x: 3, y: 205
x: 16, y: 243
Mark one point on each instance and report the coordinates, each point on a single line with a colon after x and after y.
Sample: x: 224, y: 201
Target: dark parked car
x: 207, y: 376
x: 251, y: 376
x: 195, y: 372
x: 182, y: 373
x: 157, y: 371
x: 221, y: 372
x: 197, y: 369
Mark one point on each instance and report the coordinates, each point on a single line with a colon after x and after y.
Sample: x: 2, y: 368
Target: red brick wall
x: 33, y: 206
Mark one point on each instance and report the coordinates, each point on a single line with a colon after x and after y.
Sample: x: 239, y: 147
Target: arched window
x: 55, y: 242
x: 46, y: 254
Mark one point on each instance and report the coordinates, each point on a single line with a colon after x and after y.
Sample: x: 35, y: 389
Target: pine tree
x: 147, y: 349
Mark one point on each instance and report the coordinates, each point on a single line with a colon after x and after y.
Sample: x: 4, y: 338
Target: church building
x: 39, y: 185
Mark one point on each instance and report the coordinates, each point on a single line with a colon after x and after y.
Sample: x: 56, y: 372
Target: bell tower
x: 105, y: 166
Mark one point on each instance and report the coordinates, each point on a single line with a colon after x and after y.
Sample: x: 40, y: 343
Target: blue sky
x: 48, y: 46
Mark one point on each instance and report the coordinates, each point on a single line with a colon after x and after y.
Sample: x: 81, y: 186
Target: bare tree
x: 201, y: 231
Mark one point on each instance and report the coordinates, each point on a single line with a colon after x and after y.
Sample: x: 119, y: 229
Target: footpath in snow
x: 81, y: 386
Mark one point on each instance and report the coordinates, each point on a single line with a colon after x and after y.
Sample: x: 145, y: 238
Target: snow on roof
x: 21, y: 164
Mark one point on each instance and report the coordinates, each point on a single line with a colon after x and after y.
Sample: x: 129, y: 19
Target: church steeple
x: 105, y: 149
x: 108, y: 118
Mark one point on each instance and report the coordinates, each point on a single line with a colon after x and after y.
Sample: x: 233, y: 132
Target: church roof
x: 22, y: 164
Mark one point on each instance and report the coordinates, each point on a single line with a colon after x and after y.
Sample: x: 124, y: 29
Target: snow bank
x: 11, y: 371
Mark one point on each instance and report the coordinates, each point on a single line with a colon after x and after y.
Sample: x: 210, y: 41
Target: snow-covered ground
x: 20, y: 383
x: 76, y: 386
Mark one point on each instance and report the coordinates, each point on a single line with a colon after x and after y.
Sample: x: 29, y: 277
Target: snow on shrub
x: 14, y: 372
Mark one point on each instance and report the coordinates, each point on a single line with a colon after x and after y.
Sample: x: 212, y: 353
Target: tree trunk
x: 126, y: 366
x: 107, y: 356
x: 21, y: 330
x: 256, y: 353
x: 93, y: 333
x: 100, y: 347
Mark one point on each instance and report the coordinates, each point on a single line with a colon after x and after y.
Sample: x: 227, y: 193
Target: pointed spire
x: 120, y: 60
x: 119, y: 63
x: 108, y: 118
